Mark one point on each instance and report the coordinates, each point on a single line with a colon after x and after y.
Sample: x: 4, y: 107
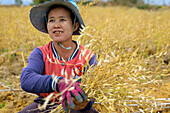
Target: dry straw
x: 129, y: 44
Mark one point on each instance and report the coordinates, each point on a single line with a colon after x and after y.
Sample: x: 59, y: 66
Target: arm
x: 31, y: 78
x: 93, y: 61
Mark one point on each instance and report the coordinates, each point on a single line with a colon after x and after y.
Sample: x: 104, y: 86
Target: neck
x: 65, y: 53
x: 63, y: 46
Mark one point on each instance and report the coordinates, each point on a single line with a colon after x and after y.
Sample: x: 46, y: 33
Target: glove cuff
x: 54, y: 83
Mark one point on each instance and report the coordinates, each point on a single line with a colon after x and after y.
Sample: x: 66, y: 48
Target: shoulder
x: 46, y: 48
x: 87, y: 53
x: 36, y: 53
x: 39, y: 52
x: 82, y: 48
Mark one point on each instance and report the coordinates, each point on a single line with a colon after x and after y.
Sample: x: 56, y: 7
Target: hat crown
x: 74, y: 3
x: 71, y: 1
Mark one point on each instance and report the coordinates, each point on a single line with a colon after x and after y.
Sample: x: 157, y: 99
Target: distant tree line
x: 131, y: 3
x: 135, y: 3
x: 18, y: 2
x: 117, y: 2
x: 127, y: 2
x: 35, y: 2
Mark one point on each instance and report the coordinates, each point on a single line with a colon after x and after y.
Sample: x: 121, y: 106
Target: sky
x: 27, y: 2
x: 158, y: 2
x: 10, y: 2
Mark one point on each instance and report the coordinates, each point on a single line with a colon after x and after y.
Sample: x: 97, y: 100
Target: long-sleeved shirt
x: 31, y: 76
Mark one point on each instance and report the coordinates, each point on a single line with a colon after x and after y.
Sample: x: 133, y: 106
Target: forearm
x: 32, y: 79
x: 35, y: 83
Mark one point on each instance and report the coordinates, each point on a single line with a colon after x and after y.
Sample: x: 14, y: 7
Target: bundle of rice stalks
x: 131, y: 47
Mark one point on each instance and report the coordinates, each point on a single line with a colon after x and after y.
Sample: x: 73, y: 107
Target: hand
x: 78, y: 105
x: 70, y: 89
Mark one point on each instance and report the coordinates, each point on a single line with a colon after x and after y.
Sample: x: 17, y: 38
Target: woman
x: 51, y: 67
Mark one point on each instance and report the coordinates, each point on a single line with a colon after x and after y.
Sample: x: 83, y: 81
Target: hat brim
x: 38, y: 14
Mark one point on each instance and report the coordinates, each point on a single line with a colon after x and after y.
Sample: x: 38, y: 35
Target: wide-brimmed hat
x: 39, y: 12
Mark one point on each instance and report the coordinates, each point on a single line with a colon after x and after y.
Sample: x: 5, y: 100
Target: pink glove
x: 76, y: 92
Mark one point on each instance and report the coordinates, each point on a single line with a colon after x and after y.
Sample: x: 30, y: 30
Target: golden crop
x: 130, y: 46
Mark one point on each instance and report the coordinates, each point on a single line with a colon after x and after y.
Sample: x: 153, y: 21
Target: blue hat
x: 39, y: 12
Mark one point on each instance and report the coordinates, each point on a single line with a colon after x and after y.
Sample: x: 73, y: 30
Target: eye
x: 51, y: 20
x: 62, y: 19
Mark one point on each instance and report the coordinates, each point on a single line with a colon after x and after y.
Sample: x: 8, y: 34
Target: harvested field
x: 131, y: 46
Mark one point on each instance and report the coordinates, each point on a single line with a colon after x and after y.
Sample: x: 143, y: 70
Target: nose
x: 57, y: 24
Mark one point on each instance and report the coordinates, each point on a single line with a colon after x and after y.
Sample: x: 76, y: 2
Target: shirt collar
x: 71, y: 57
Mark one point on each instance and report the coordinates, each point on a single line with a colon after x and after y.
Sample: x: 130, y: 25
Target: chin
x: 59, y: 40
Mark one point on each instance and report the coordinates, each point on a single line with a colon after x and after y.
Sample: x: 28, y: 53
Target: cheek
x: 48, y: 27
x: 69, y: 26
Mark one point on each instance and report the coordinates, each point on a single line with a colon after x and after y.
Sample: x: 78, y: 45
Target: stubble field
x: 132, y: 49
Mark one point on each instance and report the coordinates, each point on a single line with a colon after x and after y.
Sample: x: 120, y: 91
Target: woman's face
x: 59, y: 25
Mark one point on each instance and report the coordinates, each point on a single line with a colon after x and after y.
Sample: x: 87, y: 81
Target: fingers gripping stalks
x: 72, y: 89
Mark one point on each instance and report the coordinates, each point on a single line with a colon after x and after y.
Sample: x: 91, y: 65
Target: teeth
x: 57, y: 32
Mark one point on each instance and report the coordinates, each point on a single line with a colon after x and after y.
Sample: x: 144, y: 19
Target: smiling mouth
x: 57, y: 32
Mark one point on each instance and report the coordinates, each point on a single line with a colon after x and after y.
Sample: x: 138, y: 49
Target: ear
x: 76, y: 26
